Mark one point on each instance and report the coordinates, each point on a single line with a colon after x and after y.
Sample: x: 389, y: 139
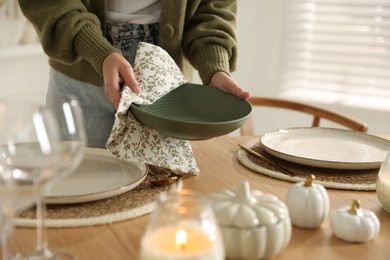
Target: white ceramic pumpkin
x: 308, y: 203
x: 254, y: 225
x: 354, y: 224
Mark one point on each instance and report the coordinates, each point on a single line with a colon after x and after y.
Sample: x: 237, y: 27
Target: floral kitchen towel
x: 157, y: 75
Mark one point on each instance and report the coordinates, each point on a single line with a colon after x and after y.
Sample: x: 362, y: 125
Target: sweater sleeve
x: 68, y: 31
x: 210, y: 40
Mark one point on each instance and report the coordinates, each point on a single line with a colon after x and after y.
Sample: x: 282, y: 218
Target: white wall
x: 259, y: 37
x: 259, y: 34
x: 23, y: 69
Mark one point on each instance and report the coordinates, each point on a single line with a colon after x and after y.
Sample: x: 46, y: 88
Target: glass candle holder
x: 182, y: 227
x: 383, y: 184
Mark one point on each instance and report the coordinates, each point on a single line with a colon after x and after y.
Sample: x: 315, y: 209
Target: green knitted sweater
x: 200, y: 33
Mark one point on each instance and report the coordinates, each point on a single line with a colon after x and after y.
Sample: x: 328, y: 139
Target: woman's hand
x: 225, y: 83
x: 117, y: 72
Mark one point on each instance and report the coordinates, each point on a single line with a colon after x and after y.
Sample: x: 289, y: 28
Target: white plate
x: 99, y: 176
x: 327, y: 147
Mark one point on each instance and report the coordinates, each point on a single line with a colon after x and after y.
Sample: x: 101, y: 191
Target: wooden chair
x: 317, y: 113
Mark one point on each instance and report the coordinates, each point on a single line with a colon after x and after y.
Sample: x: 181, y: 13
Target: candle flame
x: 181, y: 238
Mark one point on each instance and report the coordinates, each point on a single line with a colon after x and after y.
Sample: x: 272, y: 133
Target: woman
x: 91, y: 47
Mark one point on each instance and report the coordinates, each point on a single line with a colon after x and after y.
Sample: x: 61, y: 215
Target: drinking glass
x: 383, y: 184
x: 72, y: 137
x: 182, y: 227
x: 28, y: 155
x: 13, y: 199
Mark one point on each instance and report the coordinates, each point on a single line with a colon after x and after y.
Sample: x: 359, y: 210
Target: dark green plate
x: 194, y: 112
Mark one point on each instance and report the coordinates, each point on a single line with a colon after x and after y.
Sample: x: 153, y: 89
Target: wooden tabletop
x: 220, y: 169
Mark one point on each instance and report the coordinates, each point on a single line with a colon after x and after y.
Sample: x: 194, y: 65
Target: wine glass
x: 72, y: 137
x: 7, y: 209
x: 16, y: 194
x: 29, y: 149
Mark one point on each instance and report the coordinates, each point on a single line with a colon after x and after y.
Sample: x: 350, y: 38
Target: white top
x: 134, y: 11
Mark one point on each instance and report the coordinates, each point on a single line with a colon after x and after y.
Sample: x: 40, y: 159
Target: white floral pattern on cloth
x: 157, y: 74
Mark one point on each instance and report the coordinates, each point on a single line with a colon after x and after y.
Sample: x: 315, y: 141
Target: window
x: 337, y: 51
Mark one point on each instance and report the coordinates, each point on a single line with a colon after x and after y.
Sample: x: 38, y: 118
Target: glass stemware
x: 72, y: 140
x: 28, y: 154
x: 7, y: 208
x: 72, y: 143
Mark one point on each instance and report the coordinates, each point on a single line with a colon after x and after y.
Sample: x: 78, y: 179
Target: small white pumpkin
x: 308, y: 203
x: 354, y: 224
x: 254, y: 225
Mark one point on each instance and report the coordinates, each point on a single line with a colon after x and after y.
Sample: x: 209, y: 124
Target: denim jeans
x: 126, y: 37
x: 98, y: 111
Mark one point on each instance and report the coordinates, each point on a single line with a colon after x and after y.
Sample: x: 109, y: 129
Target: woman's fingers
x: 225, y: 83
x: 116, y: 72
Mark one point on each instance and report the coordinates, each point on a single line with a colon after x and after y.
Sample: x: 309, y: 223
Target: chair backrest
x: 316, y: 111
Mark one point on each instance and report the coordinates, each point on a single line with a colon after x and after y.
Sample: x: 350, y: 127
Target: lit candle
x: 180, y: 243
x: 181, y: 239
x: 183, y: 227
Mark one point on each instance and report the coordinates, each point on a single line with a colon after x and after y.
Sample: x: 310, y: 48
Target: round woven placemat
x: 134, y: 203
x: 364, y: 180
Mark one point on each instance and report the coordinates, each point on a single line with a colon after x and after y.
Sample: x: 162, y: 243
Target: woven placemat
x: 134, y: 203
x: 364, y: 180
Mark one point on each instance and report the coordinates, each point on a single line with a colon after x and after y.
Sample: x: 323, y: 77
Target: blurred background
x: 331, y: 53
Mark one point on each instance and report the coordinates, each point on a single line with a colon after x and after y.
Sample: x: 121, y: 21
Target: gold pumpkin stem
x: 309, y: 180
x: 355, y: 207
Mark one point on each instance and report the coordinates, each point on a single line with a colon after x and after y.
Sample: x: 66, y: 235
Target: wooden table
x: 220, y: 169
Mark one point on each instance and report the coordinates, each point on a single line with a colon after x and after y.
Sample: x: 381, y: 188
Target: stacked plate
x: 327, y: 147
x: 99, y: 176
